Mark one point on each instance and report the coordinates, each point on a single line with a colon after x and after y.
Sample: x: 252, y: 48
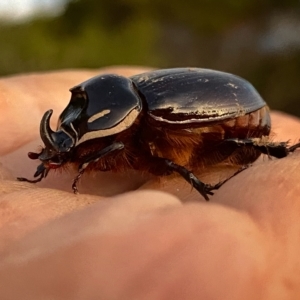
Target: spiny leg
x: 202, y: 188
x: 74, y: 184
x: 278, y: 150
x: 31, y: 181
x: 219, y: 184
x: 41, y: 171
x: 294, y: 147
x: 94, y: 157
x: 163, y: 166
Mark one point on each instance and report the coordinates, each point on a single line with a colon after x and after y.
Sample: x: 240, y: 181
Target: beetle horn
x: 46, y: 131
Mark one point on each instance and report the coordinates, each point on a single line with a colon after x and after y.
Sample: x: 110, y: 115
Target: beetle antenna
x: 46, y: 131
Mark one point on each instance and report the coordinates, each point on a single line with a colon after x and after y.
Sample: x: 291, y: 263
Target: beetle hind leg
x: 294, y: 147
x: 278, y: 150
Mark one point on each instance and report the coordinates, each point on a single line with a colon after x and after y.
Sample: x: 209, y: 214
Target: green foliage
x: 220, y: 34
x: 41, y: 46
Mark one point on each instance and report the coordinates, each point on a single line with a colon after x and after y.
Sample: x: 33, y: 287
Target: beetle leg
x: 218, y: 185
x: 278, y: 150
x: 294, y: 147
x: 202, y: 188
x: 74, y: 184
x: 41, y: 171
x: 94, y: 157
x: 31, y: 181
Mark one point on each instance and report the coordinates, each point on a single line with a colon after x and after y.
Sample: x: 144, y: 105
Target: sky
x: 16, y: 10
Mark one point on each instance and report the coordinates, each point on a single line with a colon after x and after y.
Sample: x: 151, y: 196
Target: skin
x: 127, y: 236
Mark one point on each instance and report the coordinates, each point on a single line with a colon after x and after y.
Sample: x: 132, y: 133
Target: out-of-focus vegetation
x: 256, y: 39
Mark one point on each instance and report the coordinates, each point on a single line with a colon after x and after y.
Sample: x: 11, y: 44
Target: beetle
x: 165, y: 121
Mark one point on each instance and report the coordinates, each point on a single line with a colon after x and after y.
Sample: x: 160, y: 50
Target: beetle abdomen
x: 202, y: 146
x: 255, y: 124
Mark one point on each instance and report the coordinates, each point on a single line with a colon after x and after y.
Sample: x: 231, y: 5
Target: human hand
x: 145, y: 244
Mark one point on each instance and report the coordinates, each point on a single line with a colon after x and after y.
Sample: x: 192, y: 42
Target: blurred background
x: 256, y: 39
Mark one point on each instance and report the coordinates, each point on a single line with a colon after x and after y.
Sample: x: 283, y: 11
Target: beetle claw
x: 41, y: 173
x: 202, y: 188
x: 29, y: 180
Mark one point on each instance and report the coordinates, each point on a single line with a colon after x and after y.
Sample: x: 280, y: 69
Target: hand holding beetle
x: 152, y: 245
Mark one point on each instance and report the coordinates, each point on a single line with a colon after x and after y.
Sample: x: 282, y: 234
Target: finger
x: 285, y: 127
x: 268, y: 190
x: 23, y: 211
x: 23, y: 167
x: 190, y: 252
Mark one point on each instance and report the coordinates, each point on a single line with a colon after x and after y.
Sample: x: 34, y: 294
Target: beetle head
x: 57, y: 148
x: 99, y: 108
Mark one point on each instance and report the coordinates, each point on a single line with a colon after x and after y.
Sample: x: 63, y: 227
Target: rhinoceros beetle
x: 161, y: 122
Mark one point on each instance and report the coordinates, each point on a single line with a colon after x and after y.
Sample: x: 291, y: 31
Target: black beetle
x: 164, y: 121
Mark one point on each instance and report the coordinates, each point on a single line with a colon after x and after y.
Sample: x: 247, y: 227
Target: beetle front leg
x: 94, y: 157
x: 41, y: 173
